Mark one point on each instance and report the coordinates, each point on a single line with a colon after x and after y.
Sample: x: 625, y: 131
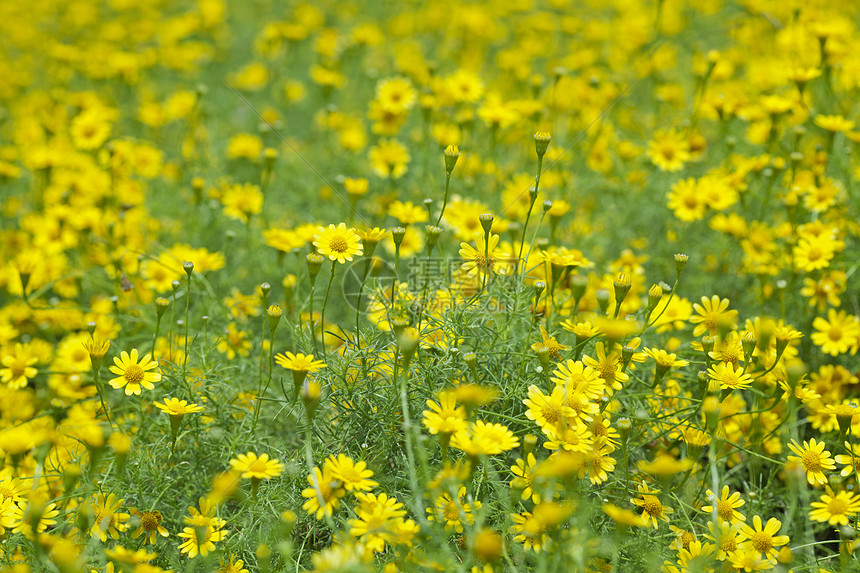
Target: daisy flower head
x: 712, y: 315
x: 254, y: 467
x: 726, y: 505
x: 813, y: 458
x: 324, y: 495
x: 835, y: 509
x: 18, y: 368
x: 728, y: 377
x: 838, y: 334
x: 133, y: 374
x: 107, y: 519
x: 652, y: 508
x: 177, y: 407
x: 482, y: 438
x: 669, y: 150
x: 339, y: 243
x: 453, y: 512
x: 763, y: 538
x: 354, y: 476
x: 150, y: 525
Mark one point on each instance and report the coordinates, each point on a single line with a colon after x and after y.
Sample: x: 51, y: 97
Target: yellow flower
x: 814, y: 459
x: 764, y: 539
x: 728, y: 377
x: 106, y: 517
x: 835, y: 509
x: 711, y: 315
x: 353, y: 476
x: 91, y: 128
x: 18, y: 368
x: 150, y: 525
x: 253, y: 467
x: 242, y: 201
x: 482, y: 438
x: 726, y: 505
x: 339, y: 243
x: 389, y: 159
x: 838, y: 334
x: 245, y: 145
x: 686, y: 201
x: 453, y: 512
x: 132, y: 374
x: 407, y: 212
x: 324, y: 495
x: 652, y: 508
x: 623, y: 516
x: 299, y: 362
x: 177, y: 407
x: 483, y: 257
x: 834, y: 123
x: 669, y: 150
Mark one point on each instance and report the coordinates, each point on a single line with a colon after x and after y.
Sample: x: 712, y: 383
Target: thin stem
x: 445, y: 200
x: 97, y: 379
x: 325, y: 303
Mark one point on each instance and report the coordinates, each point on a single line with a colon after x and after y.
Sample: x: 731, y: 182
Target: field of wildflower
x: 524, y: 285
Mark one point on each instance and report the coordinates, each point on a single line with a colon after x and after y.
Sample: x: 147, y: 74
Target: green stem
x: 325, y: 303
x: 445, y: 200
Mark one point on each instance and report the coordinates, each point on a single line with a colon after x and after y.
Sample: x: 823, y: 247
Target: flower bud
x: 655, y: 294
x: 188, y: 267
x: 621, y: 285
x: 397, y: 234
x: 602, y: 296
x: 432, y: 237
x: 315, y: 262
x: 161, y: 305
x: 486, y: 220
x: 542, y: 139
x: 452, y: 154
x: 748, y: 341
x: 680, y: 263
x: 274, y: 315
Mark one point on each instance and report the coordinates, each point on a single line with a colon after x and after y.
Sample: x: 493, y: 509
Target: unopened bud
x: 315, y: 261
x: 486, y: 222
x: 542, y: 139
x: 452, y: 154
x: 680, y: 263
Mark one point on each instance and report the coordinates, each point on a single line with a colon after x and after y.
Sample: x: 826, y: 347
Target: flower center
x: 452, y: 512
x: 762, y: 542
x: 551, y: 414
x: 835, y: 333
x: 134, y: 374
x: 338, y: 244
x: 149, y: 521
x: 811, y: 461
x: 725, y: 510
x: 652, y: 506
x: 837, y: 506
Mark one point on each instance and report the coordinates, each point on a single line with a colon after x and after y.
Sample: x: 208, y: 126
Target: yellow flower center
x: 652, y: 506
x: 338, y: 244
x: 728, y: 544
x: 149, y: 521
x: 134, y: 374
x: 551, y: 414
x: 725, y: 510
x: 835, y: 333
x: 837, y: 506
x: 811, y: 461
x: 451, y: 511
x: 761, y: 541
